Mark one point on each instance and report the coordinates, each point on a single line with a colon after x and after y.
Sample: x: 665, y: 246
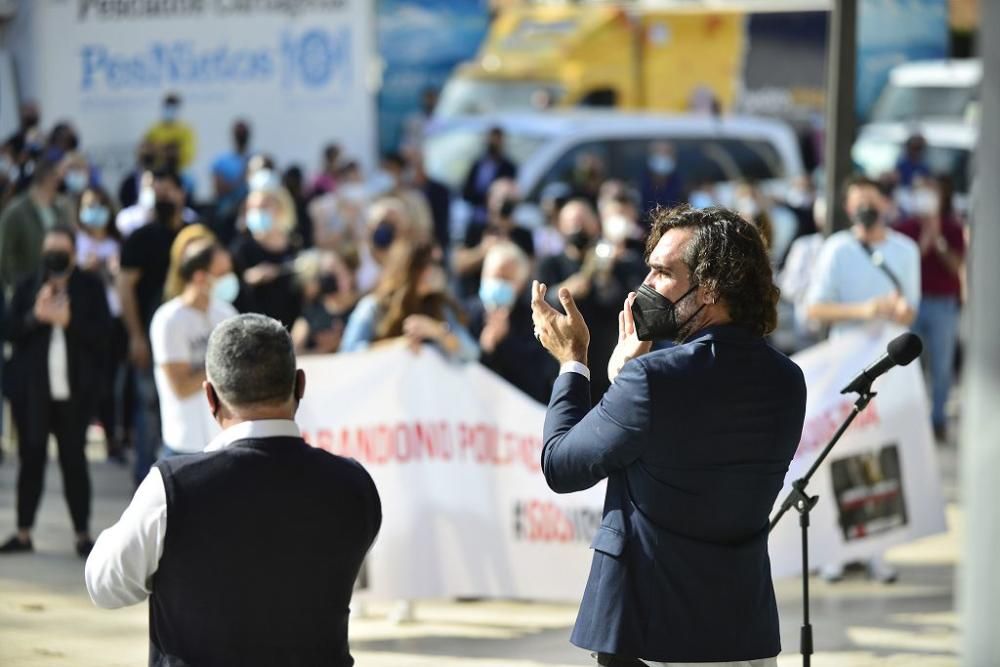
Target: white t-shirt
x: 179, y: 334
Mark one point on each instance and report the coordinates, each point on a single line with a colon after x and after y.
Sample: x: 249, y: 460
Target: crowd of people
x: 110, y: 299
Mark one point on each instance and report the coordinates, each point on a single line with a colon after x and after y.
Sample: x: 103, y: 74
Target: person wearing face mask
x: 468, y: 259
x: 329, y: 297
x: 491, y: 166
x: 76, y: 172
x: 131, y: 184
x: 143, y: 211
x: 500, y: 318
x: 941, y: 240
x: 29, y: 116
x: 59, y: 327
x: 797, y: 274
x: 98, y: 248
x: 867, y: 276
x: 411, y: 301
x: 171, y: 130
x: 229, y: 183
x: 593, y: 279
x: 694, y: 441
x: 262, y: 257
x: 913, y: 162
x: 662, y: 184
x: 145, y: 265
x: 249, y: 552
x: 179, y: 335
x: 25, y: 220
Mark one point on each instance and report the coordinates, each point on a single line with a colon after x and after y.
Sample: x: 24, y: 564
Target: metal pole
x: 840, y: 126
x: 979, y: 572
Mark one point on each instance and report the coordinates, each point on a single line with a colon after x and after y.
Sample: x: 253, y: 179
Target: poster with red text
x: 455, y: 453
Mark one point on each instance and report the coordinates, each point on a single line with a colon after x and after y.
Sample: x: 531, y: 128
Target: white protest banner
x: 880, y: 485
x: 298, y: 71
x: 455, y: 450
x: 455, y: 453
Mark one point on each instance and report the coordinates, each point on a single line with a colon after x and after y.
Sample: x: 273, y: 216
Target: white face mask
x: 147, y: 198
x: 925, y: 202
x: 616, y: 228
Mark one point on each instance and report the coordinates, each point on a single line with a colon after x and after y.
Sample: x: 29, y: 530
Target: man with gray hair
x: 248, y: 551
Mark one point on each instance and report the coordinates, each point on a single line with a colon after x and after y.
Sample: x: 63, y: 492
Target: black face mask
x: 579, y: 240
x: 383, y: 235
x: 56, y: 262
x: 656, y: 316
x: 507, y: 208
x: 165, y: 211
x: 328, y: 283
x: 867, y: 216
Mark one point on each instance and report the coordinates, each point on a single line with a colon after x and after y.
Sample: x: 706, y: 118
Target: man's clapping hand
x: 566, y: 337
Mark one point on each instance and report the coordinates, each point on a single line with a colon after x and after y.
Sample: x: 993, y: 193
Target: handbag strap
x: 879, y: 261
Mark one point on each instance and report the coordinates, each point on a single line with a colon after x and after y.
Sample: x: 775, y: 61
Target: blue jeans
x: 146, y: 423
x: 937, y: 325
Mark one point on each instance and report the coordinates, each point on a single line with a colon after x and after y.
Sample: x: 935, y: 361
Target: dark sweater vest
x: 264, y: 542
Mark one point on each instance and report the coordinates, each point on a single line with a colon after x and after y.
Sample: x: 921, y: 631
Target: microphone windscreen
x: 904, y: 348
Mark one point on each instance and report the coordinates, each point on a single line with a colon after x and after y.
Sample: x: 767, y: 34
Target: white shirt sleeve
x: 125, y: 557
x: 575, y: 367
x: 825, y: 278
x: 166, y: 345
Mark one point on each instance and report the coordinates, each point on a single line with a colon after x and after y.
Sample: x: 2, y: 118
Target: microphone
x: 901, y: 351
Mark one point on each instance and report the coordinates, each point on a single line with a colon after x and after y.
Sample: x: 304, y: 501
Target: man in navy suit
x: 694, y: 441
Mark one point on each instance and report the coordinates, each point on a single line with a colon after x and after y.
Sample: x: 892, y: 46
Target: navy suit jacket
x: 695, y: 441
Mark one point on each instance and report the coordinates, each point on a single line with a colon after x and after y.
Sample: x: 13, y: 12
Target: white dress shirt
x: 58, y: 365
x: 121, y: 566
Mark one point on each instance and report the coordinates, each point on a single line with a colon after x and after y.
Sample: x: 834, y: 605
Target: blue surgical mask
x: 226, y: 288
x: 76, y: 180
x: 496, y: 293
x: 95, y: 217
x: 259, y: 221
x: 661, y: 164
x: 700, y: 199
x: 170, y: 113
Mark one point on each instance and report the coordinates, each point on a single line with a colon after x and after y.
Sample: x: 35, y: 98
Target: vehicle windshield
x: 471, y: 96
x: 901, y: 103
x: 876, y: 157
x: 449, y: 154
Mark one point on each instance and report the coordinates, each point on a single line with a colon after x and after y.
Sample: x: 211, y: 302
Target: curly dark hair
x: 728, y: 257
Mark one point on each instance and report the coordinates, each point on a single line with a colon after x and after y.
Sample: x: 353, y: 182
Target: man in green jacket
x: 26, y: 219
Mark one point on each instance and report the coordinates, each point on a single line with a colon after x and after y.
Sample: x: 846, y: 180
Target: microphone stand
x: 803, y: 503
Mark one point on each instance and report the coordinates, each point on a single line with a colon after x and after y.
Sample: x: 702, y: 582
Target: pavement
x: 46, y: 618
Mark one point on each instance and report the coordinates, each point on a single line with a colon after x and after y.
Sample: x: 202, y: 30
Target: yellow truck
x: 663, y: 56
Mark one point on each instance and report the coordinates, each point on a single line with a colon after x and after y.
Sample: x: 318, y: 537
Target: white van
x: 545, y: 148
x: 931, y: 90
